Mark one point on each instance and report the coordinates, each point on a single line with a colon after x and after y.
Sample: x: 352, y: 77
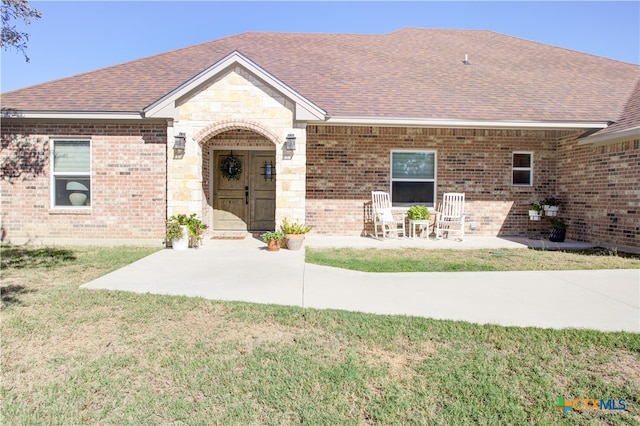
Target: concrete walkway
x: 242, y: 270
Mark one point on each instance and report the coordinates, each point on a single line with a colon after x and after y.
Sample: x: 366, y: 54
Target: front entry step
x: 228, y: 235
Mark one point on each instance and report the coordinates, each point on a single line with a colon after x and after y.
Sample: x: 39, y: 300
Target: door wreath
x: 231, y: 168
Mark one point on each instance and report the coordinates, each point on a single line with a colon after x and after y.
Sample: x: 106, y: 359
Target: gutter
x: 74, y: 115
x: 454, y: 123
x: 611, y: 137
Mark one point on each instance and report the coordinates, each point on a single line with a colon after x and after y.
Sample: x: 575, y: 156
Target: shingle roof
x: 410, y: 73
x: 630, y: 117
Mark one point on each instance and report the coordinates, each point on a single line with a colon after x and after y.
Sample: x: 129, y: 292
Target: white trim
x: 435, y: 173
x: 613, y: 137
x: 529, y: 169
x: 165, y: 106
x: 73, y: 115
x: 54, y: 174
x: 455, y: 123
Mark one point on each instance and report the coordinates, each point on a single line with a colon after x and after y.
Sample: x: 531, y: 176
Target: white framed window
x: 522, y: 169
x: 413, y: 178
x: 71, y: 173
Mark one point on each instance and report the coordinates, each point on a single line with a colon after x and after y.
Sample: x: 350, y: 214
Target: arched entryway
x: 239, y: 180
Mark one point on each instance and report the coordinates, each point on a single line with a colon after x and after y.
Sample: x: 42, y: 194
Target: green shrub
x: 418, y: 213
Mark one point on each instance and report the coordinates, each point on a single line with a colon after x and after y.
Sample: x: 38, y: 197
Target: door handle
x: 246, y: 195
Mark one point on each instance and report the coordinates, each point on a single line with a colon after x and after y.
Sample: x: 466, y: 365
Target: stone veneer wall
x: 344, y: 164
x: 600, y: 187
x: 127, y: 184
x: 235, y: 101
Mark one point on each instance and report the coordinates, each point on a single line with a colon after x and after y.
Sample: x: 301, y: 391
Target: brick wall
x: 600, y: 188
x: 344, y: 164
x: 128, y: 185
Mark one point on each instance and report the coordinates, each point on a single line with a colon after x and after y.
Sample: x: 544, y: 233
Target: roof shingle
x: 410, y: 73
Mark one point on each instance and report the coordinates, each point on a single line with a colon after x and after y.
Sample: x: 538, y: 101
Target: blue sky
x: 78, y: 36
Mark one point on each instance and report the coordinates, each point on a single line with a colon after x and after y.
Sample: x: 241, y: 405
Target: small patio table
x: 423, y: 224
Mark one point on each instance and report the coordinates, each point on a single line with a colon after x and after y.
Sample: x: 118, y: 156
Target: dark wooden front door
x: 247, y: 203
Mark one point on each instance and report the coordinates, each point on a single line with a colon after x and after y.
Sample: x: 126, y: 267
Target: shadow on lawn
x: 10, y: 294
x: 19, y: 257
x: 22, y: 257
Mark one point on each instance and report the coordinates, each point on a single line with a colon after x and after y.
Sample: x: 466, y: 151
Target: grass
x: 417, y: 260
x: 72, y: 356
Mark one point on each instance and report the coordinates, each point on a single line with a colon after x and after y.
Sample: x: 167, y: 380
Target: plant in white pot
x: 294, y: 233
x: 551, y: 206
x: 185, y: 231
x: 177, y: 234
x: 535, y: 211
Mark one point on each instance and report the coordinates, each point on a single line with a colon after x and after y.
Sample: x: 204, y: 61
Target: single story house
x: 250, y: 129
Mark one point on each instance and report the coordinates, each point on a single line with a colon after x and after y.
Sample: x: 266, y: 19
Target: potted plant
x: 177, y: 233
x: 558, y: 230
x: 535, y: 211
x: 294, y: 233
x: 196, y: 230
x: 551, y: 206
x: 418, y: 213
x: 185, y: 231
x: 272, y: 238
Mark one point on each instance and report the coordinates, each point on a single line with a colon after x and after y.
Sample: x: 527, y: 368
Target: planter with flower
x: 535, y: 211
x: 294, y: 233
x: 273, y: 239
x: 185, y: 231
x: 551, y: 206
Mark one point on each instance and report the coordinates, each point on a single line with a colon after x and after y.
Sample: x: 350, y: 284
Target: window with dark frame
x: 413, y: 178
x: 71, y: 173
x: 522, y: 169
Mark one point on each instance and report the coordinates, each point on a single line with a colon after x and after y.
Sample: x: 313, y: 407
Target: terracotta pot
x: 273, y: 245
x: 294, y: 241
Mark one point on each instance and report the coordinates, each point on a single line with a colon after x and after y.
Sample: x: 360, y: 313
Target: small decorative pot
x: 551, y: 210
x: 181, y: 243
x: 294, y: 241
x: 273, y: 245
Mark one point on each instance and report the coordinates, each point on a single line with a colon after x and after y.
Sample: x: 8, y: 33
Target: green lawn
x: 417, y: 260
x: 72, y: 356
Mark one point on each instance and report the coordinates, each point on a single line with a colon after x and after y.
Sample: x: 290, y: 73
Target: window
x: 71, y: 178
x: 522, y: 170
x: 413, y: 178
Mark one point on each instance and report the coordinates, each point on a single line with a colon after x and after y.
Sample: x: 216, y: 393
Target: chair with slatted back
x: 450, y: 215
x: 384, y: 219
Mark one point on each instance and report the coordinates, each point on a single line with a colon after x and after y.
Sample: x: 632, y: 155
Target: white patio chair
x: 450, y: 215
x: 383, y: 216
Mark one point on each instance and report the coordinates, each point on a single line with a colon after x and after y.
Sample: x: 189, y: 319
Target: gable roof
x: 627, y: 127
x: 410, y: 73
